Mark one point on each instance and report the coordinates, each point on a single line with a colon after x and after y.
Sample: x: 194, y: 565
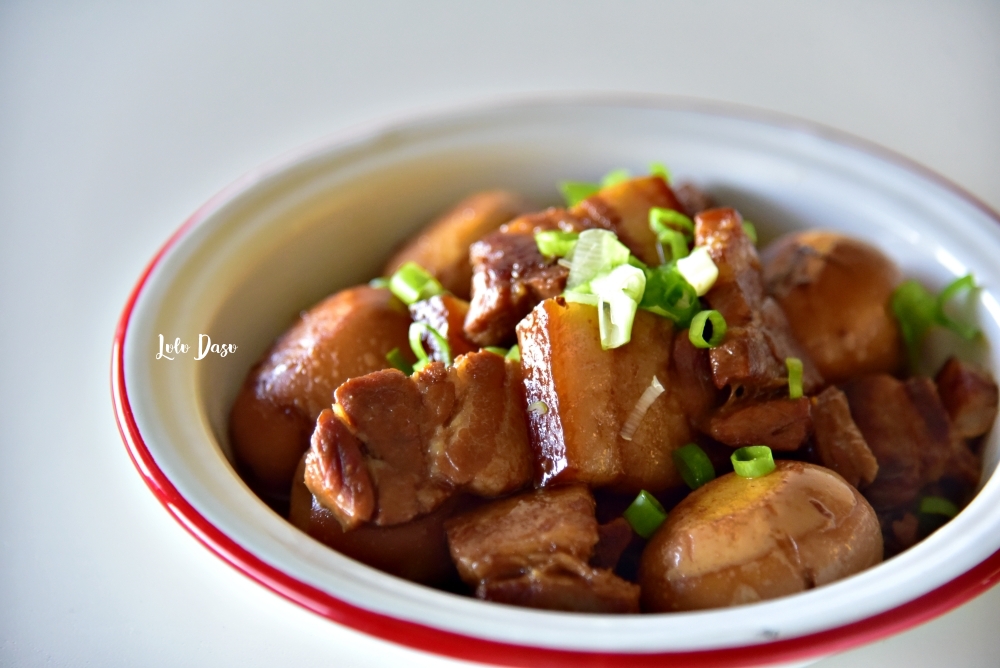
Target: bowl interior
x: 327, y: 217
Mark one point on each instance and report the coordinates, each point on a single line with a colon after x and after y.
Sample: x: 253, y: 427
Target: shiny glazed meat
x: 738, y: 540
x: 533, y: 549
x: 344, y: 336
x: 395, y: 447
x: 581, y: 397
x: 835, y: 291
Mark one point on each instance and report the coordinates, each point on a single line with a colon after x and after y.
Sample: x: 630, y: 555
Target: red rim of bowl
x: 436, y: 641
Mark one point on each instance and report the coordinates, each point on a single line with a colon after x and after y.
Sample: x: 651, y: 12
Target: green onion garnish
x: 669, y: 295
x: 514, y: 354
x: 496, y: 351
x: 708, y: 329
x: 699, y: 269
x: 751, y: 231
x: 659, y: 169
x: 673, y: 241
x: 753, y: 461
x: 597, y: 252
x: 556, y: 243
x: 935, y: 505
x: 694, y: 465
x: 618, y: 294
x: 417, y: 331
x: 575, y: 192
x: 379, y: 282
x: 396, y: 359
x: 794, y: 365
x: 614, y: 177
x: 916, y: 310
x: 412, y: 284
x: 646, y: 514
x: 664, y: 219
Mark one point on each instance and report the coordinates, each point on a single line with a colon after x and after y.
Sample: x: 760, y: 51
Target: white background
x: 117, y: 121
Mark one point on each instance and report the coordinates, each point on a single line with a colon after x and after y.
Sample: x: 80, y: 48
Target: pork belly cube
x: 908, y: 430
x: 758, y: 338
x: 442, y: 248
x: 580, y: 396
x: 508, y: 536
x: 970, y: 397
x: 407, y: 443
x: 533, y: 550
x: 839, y: 443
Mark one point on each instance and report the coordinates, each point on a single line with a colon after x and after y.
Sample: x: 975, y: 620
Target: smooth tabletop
x: 118, y: 120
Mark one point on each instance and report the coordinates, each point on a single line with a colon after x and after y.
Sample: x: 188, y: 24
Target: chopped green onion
x: 396, y: 359
x: 935, y: 505
x: 575, y: 192
x: 753, y: 461
x: 694, y: 465
x: 614, y: 177
x: 418, y: 330
x: 556, y: 243
x: 514, y: 353
x: 379, y: 282
x: 646, y: 514
x: 699, y: 270
x: 916, y: 310
x: 496, y: 351
x: 669, y: 295
x: 659, y: 169
x: 964, y: 283
x: 597, y: 252
x: 577, y: 297
x: 708, y: 329
x: 634, y: 419
x: 412, y: 284
x: 673, y: 240
x: 751, y: 231
x: 661, y: 219
x: 794, y: 365
x: 618, y: 294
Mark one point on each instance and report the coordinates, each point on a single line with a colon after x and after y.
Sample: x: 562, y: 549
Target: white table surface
x: 118, y: 120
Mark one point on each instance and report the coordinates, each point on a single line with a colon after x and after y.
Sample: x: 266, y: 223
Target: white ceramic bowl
x: 326, y: 216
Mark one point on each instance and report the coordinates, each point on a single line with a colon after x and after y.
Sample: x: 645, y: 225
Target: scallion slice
x: 417, y: 332
x: 555, y: 243
x: 794, y: 365
x: 395, y: 358
x: 661, y: 219
x: 694, y: 465
x: 496, y: 351
x: 412, y: 284
x: 669, y: 295
x: 597, y: 252
x: 514, y: 354
x: 614, y: 177
x: 618, y: 294
x: 659, y: 169
x: 917, y: 309
x: 673, y: 241
x: 751, y: 231
x: 575, y: 192
x: 699, y: 270
x: 379, y: 282
x: 646, y: 514
x: 936, y: 505
x: 753, y: 461
x: 708, y: 329
x: 646, y: 399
